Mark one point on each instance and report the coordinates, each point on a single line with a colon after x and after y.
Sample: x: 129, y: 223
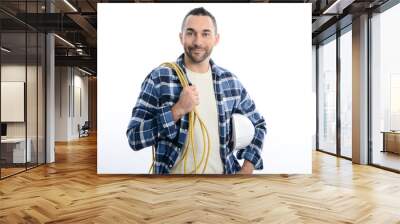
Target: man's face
x: 198, y: 38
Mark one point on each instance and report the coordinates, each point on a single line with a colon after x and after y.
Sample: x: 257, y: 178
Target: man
x: 160, y: 116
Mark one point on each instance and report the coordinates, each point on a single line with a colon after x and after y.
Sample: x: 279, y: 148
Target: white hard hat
x: 242, y: 131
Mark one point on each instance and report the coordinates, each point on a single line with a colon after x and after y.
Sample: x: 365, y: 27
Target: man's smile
x: 198, y: 50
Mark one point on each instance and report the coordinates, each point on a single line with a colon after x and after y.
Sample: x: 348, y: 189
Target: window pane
x: 327, y: 96
x: 346, y: 94
x: 386, y: 88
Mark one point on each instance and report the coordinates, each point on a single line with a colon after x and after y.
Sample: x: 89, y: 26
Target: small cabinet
x: 391, y: 141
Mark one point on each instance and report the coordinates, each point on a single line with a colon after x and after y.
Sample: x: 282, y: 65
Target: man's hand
x: 247, y: 168
x: 188, y: 100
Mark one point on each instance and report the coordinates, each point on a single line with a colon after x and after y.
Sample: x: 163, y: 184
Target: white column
x: 360, y: 90
x: 50, y: 92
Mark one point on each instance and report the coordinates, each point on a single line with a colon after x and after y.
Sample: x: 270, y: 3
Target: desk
x: 391, y: 141
x: 15, y: 148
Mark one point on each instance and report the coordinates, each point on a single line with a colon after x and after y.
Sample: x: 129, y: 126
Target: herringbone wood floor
x: 70, y: 191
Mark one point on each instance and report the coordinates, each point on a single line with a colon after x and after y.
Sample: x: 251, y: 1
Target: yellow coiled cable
x: 192, y: 121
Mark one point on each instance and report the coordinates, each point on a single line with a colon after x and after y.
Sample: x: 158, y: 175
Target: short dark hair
x: 200, y: 12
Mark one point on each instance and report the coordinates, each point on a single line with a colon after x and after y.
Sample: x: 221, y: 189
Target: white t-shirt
x: 208, y: 112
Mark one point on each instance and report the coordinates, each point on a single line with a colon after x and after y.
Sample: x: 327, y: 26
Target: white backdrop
x: 268, y: 46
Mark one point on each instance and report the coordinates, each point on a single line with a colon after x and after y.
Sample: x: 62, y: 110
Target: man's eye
x: 189, y: 33
x: 206, y: 34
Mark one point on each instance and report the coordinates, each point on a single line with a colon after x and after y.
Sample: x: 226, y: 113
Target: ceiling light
x: 70, y: 5
x: 5, y: 50
x: 64, y: 40
x: 338, y: 6
x: 84, y: 71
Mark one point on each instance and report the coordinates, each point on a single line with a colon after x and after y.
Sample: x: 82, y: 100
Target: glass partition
x: 22, y: 77
x: 13, y: 105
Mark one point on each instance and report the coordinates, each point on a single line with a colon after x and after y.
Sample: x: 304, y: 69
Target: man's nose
x: 197, y: 40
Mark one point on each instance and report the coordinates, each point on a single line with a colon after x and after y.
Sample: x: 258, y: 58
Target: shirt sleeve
x: 247, y: 107
x: 149, y: 121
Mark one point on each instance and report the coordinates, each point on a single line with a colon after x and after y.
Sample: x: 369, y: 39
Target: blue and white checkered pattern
x: 152, y: 122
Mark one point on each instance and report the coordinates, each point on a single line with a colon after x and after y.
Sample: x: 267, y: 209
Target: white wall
x: 61, y: 103
x: 33, y: 127
x: 12, y: 73
x: 70, y: 83
x: 80, y: 83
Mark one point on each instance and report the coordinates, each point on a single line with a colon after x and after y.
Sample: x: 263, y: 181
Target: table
x: 13, y: 150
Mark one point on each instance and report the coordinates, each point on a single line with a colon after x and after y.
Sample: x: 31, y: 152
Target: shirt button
x: 170, y: 165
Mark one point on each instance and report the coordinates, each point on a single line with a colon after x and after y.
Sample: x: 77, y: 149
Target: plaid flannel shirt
x: 152, y: 122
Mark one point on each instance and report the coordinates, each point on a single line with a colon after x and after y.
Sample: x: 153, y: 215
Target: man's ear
x: 180, y: 38
x: 216, y: 39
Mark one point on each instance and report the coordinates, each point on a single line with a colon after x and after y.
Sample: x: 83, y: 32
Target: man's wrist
x: 247, y: 166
